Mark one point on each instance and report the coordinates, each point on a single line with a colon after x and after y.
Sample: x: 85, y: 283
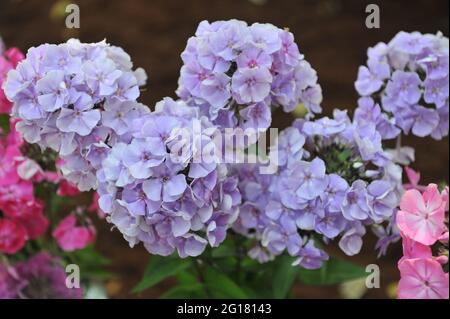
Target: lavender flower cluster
x: 405, y: 85
x: 236, y: 73
x: 76, y: 99
x: 334, y: 180
x: 80, y: 100
x: 158, y: 189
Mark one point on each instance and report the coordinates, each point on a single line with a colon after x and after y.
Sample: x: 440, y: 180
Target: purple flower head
x: 142, y: 155
x: 404, y: 87
x: 383, y: 200
x: 229, y: 66
x: 351, y: 242
x: 217, y: 229
x: 310, y: 257
x: 136, y: 201
x: 411, y: 43
x: 216, y: 91
x: 289, y: 52
x: 79, y: 120
x: 442, y: 129
x: 163, y: 186
x: 386, y: 236
x: 436, y: 91
x: 324, y: 127
x: 282, y: 236
x: 229, y: 39
x: 251, y: 85
x: 334, y: 193
x: 256, y: 116
x: 191, y: 246
x: 101, y: 76
x: 289, y: 147
x: 436, y: 66
x: 370, y: 112
x: 65, y: 95
x: 59, y: 57
x: 52, y: 91
x: 40, y: 277
x: 312, y: 178
x: 355, y: 205
x: 252, y: 58
x: 425, y: 121
x: 127, y: 87
x: 266, y: 37
x: 368, y: 82
x: 307, y: 217
x: 408, y: 78
x: 331, y: 224
x: 119, y: 116
x: 368, y: 141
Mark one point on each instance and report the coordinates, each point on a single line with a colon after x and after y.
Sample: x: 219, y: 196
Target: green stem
x: 239, y: 256
x: 201, y: 278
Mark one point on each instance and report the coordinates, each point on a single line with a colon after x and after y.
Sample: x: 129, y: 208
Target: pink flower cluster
x: 423, y: 223
x: 21, y: 213
x: 71, y: 237
x: 8, y: 61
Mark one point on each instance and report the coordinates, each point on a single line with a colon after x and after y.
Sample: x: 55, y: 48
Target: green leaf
x: 91, y: 262
x: 334, y: 271
x: 283, y: 278
x: 89, y: 256
x: 223, y: 251
x: 344, y: 155
x: 159, y: 269
x: 184, y: 291
x: 221, y: 286
x: 4, y: 123
x: 186, y: 278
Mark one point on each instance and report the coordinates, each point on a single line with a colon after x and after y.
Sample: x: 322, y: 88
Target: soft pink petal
x: 413, y: 249
x: 412, y: 201
x: 432, y: 198
x: 422, y: 279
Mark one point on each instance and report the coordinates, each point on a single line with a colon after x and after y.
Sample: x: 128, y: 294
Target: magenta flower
x: 421, y: 217
x: 71, y: 237
x: 12, y: 236
x: 414, y: 179
x: 422, y: 279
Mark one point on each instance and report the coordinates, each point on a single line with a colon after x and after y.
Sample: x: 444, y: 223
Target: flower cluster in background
x: 40, y: 277
x: 423, y: 222
x: 21, y: 217
x: 25, y: 268
x: 405, y: 85
x: 238, y: 73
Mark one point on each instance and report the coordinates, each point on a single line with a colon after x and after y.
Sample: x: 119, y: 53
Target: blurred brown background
x: 331, y: 33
